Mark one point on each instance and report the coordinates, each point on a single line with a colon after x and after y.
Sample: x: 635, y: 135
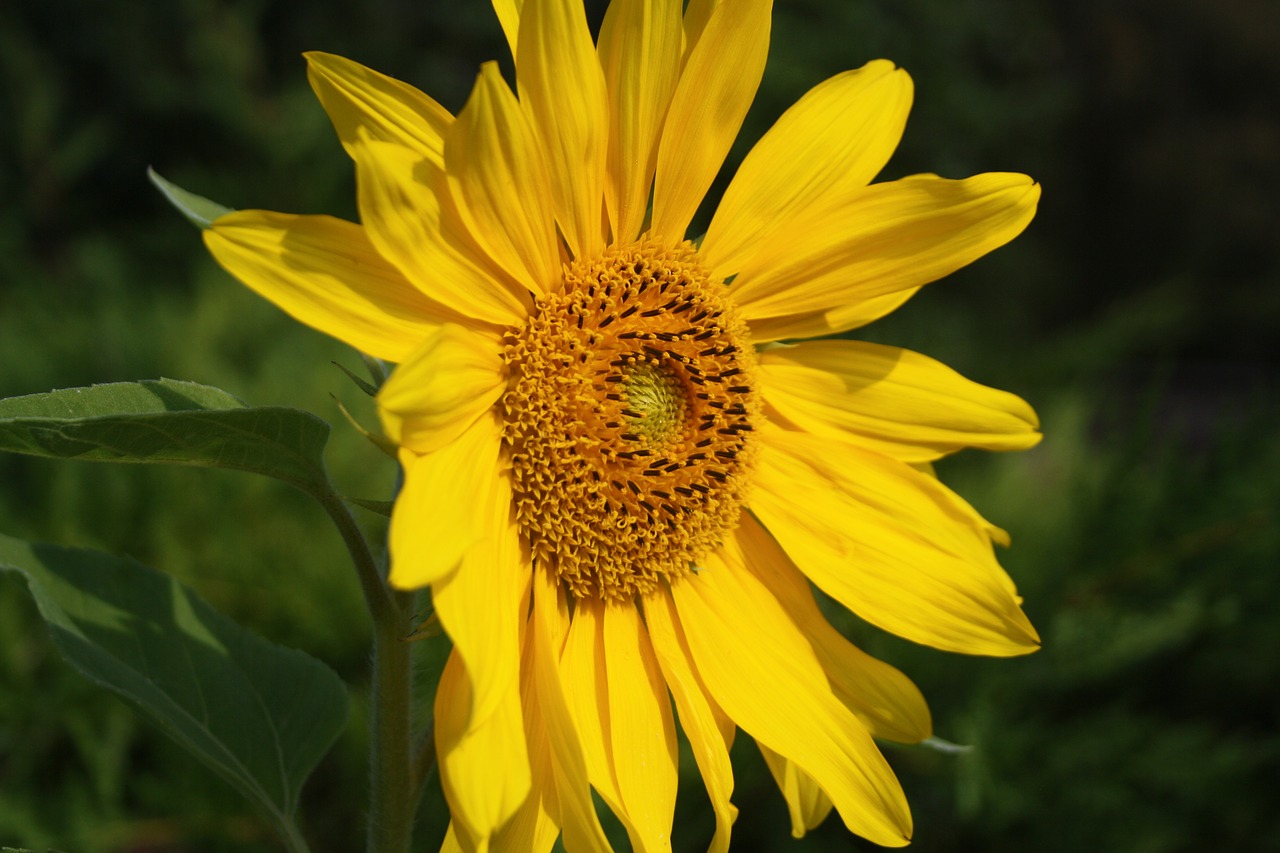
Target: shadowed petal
x: 806, y: 802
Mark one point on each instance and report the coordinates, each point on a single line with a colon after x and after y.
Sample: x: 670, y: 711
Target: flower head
x: 618, y: 496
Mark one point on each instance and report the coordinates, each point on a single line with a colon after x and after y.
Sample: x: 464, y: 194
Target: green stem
x: 392, y: 788
x: 424, y: 759
x: 392, y: 805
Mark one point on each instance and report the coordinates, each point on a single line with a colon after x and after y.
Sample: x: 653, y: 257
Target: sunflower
x: 619, y: 482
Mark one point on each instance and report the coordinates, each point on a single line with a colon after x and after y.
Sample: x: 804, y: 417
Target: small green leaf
x: 259, y: 714
x: 167, y: 421
x: 379, y: 507
x: 198, y: 209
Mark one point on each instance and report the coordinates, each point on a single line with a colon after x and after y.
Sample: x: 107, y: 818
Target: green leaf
x: 167, y: 421
x: 198, y: 209
x: 259, y: 714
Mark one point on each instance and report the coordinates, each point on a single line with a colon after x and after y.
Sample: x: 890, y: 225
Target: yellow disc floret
x: 629, y: 414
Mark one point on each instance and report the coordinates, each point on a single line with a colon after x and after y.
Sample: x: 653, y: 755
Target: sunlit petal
x: 891, y: 400
x: 325, y: 273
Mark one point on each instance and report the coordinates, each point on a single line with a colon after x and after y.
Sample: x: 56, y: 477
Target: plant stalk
x: 392, y: 786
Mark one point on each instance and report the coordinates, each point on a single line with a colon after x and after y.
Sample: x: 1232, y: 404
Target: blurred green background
x: 1139, y: 314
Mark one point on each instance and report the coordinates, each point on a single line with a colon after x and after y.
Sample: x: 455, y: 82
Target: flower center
x: 629, y: 415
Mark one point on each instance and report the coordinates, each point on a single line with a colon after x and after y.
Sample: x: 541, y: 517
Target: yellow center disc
x: 629, y: 414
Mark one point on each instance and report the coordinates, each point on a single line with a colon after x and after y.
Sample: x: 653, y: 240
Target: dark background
x: 1139, y: 313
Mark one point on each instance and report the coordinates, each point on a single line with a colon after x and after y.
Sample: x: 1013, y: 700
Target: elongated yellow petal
x: 480, y: 604
x: 886, y: 238
x: 563, y: 93
x: 696, y: 15
x: 412, y: 226
x: 359, y: 99
x: 587, y: 694
x: 640, y: 53
x: 533, y: 828
x: 587, y: 691
x: 711, y: 100
x: 885, y: 541
x: 760, y: 668
x: 806, y: 802
x: 451, y: 380
x: 497, y: 177
x: 324, y: 272
x: 699, y: 716
x: 641, y: 729
x: 577, y: 815
x: 817, y: 324
x: 830, y: 142
x: 884, y: 699
x: 484, y: 766
x: 891, y: 400
x: 508, y: 12
x: 437, y: 515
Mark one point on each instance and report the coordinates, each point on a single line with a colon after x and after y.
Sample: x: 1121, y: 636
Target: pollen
x: 629, y: 415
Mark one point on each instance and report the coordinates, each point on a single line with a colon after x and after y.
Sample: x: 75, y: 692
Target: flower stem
x: 392, y: 806
x: 391, y: 777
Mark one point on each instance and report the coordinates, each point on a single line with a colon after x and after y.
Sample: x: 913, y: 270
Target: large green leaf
x: 165, y: 420
x: 259, y: 714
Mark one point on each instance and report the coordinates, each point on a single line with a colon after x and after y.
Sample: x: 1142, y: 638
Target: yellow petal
x: 640, y: 53
x: 885, y: 238
x: 696, y: 15
x: 324, y: 272
x: 577, y: 815
x: 484, y: 767
x: 699, y: 716
x: 439, y: 513
x: 832, y: 141
x: 454, y: 377
x: 360, y: 99
x: 533, y: 828
x: 562, y: 90
x: 586, y: 692
x: 818, y: 324
x: 480, y: 605
x: 711, y: 100
x: 508, y: 12
x: 894, y: 401
x: 888, y: 543
x: 451, y: 843
x: 806, y: 802
x: 884, y: 699
x: 641, y: 728
x: 498, y: 179
x: 760, y: 668
x: 417, y: 230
